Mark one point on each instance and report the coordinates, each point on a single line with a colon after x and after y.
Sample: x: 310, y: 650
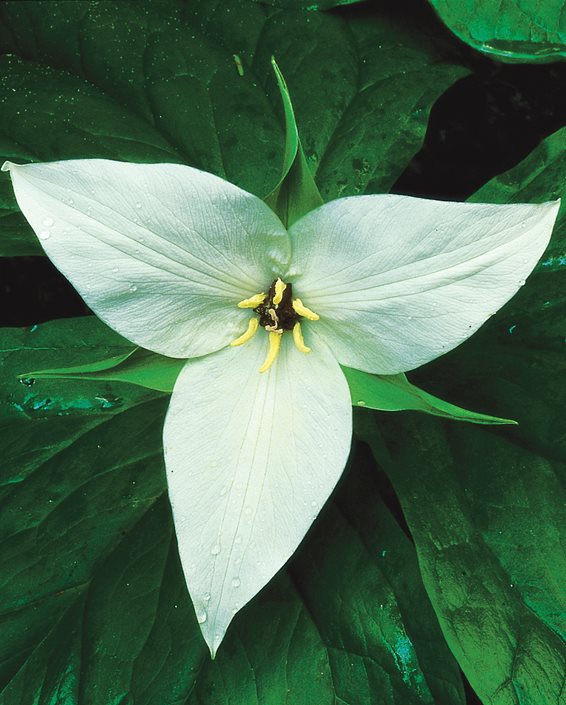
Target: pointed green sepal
x: 396, y: 393
x: 296, y: 193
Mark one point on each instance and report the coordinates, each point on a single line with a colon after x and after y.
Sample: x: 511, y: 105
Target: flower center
x: 277, y: 312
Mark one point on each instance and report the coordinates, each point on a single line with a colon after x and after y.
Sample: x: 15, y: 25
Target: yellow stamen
x: 253, y: 301
x: 298, y: 338
x: 280, y: 287
x: 303, y: 311
x: 274, y: 345
x: 249, y: 334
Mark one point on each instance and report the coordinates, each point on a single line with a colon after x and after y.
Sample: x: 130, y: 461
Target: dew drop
x: 206, y: 597
x: 133, y: 288
x: 138, y: 205
x: 215, y: 550
x: 48, y: 222
x: 115, y: 269
x: 236, y: 582
x: 44, y: 234
x: 361, y: 402
x: 314, y: 504
x: 223, y: 491
x: 201, y: 617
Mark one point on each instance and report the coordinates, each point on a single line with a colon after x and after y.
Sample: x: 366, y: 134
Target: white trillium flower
x: 259, y: 426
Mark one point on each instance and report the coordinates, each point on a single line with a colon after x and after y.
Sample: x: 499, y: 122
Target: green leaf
x: 296, y: 193
x: 193, y: 84
x: 396, y: 393
x: 486, y: 507
x: 513, y: 30
x: 94, y: 605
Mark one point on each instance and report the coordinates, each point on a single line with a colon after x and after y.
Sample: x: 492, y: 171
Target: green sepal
x: 383, y: 393
x: 296, y: 192
x: 396, y: 393
x: 137, y: 366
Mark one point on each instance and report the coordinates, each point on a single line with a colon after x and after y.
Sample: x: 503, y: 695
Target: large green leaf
x: 171, y: 81
x: 486, y: 508
x: 94, y: 606
x: 508, y: 30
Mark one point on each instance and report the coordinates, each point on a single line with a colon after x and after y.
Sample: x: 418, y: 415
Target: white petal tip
x: 7, y: 166
x: 213, y: 644
x: 551, y: 207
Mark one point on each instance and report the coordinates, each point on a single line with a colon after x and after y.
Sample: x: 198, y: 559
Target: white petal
x: 251, y: 458
x: 161, y: 252
x: 399, y: 281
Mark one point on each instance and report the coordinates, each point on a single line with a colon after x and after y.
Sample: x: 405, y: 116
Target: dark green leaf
x: 486, y: 508
x: 177, y: 82
x: 512, y: 30
x: 94, y: 606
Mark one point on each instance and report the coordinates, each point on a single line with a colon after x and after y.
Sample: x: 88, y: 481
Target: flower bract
x: 259, y: 426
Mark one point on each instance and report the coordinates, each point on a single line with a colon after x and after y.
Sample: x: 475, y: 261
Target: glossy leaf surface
x: 512, y: 30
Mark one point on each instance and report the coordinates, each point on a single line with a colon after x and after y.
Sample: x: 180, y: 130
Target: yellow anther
x: 249, y: 334
x: 253, y: 302
x: 303, y: 311
x: 298, y: 338
x: 280, y: 287
x: 274, y: 345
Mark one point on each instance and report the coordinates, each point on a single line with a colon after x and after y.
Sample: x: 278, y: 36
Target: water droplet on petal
x: 138, y: 205
x: 114, y: 269
x: 44, y: 234
x: 201, y: 617
x: 236, y: 582
x: 215, y: 550
x: 206, y: 597
x: 48, y: 222
x: 361, y: 402
x: 133, y: 288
